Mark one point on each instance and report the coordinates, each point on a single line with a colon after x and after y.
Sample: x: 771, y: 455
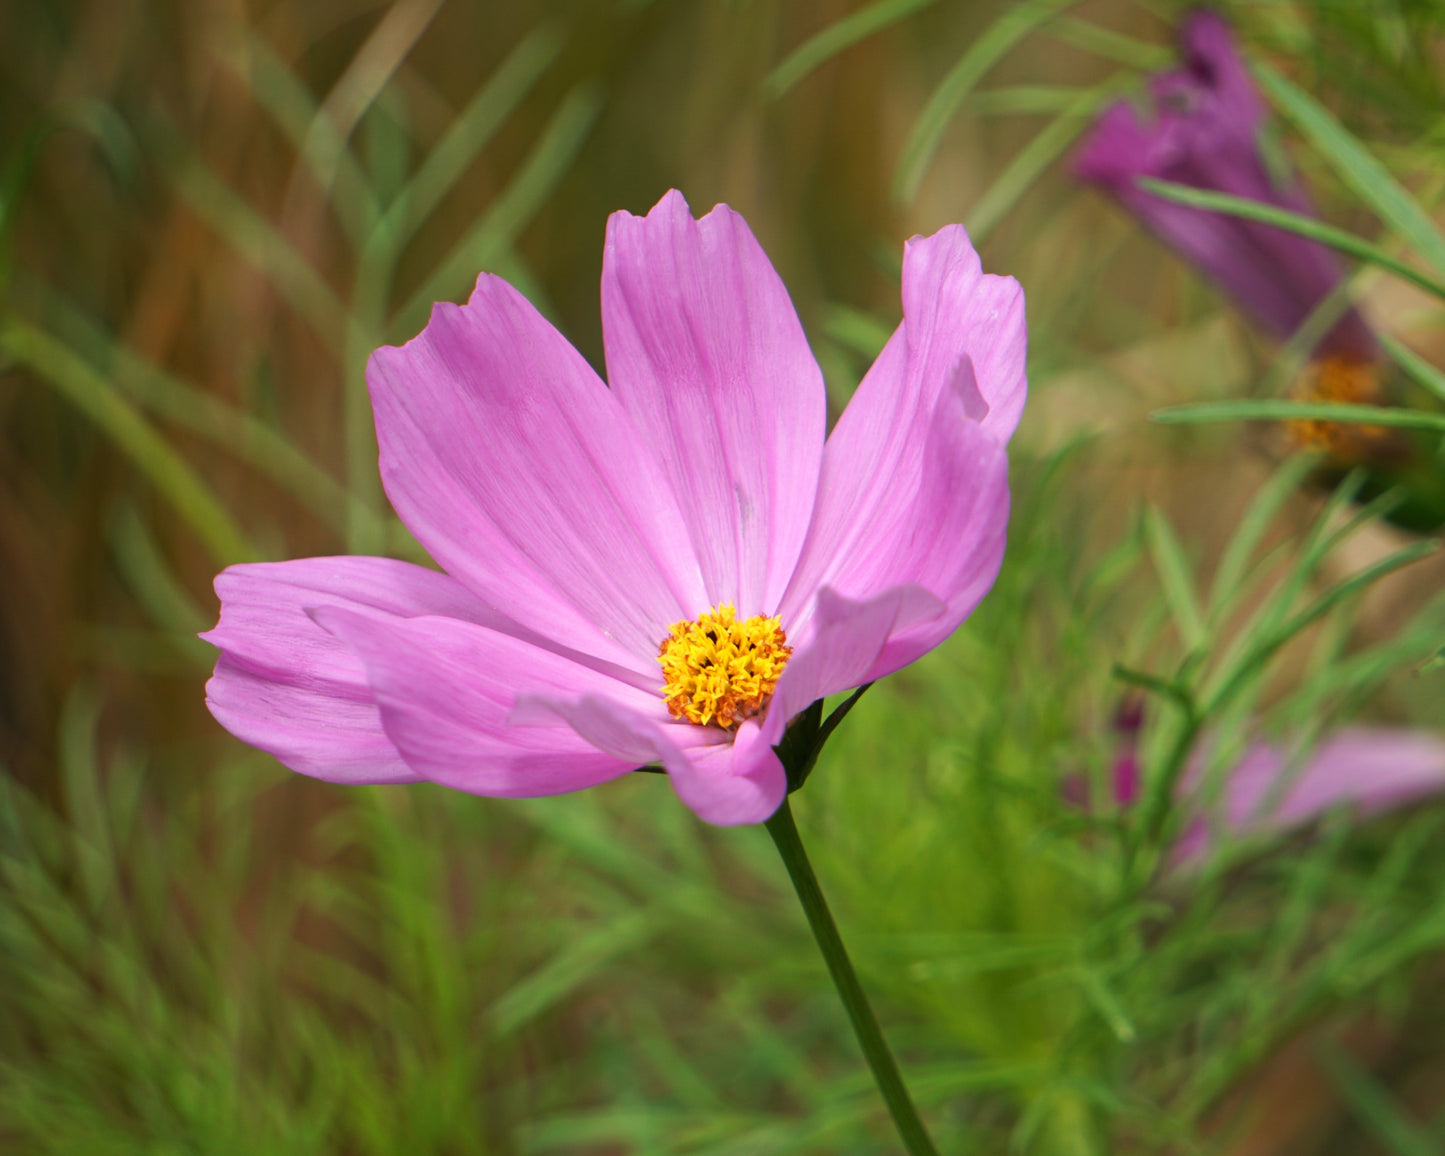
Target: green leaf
x: 154, y: 583
x: 854, y: 329
x: 1235, y: 560
x: 285, y: 96
x: 1291, y: 222
x: 357, y: 89
x: 1420, y: 371
x: 152, y: 455
x: 1277, y: 409
x: 1105, y: 42
x: 476, y: 124
x: 1356, y: 583
x: 490, y: 237
x: 1016, y: 22
x: 1373, y: 1107
x: 1175, y: 692
x: 1026, y: 99
x: 1176, y: 579
x: 234, y: 430
x: 261, y: 243
x: 839, y: 35
x: 1030, y: 162
x: 1354, y: 164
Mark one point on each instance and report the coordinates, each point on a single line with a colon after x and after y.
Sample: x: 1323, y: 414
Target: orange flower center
x: 1336, y: 379
x: 721, y: 669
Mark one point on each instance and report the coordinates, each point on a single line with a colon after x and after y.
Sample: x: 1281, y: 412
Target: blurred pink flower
x: 583, y: 529
x: 1204, y: 129
x: 1370, y: 769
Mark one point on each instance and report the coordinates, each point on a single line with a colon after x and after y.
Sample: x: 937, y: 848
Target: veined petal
x: 962, y: 341
x: 705, y: 351
x: 516, y: 467
x: 952, y: 312
x: 446, y: 690
x: 846, y: 642
x: 724, y: 780
x: 935, y: 519
x: 327, y: 732
x: 290, y: 688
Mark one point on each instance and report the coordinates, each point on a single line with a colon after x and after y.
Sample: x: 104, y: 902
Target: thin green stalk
x: 865, y: 1025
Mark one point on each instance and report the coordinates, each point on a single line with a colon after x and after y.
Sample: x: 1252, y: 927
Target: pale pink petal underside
x: 290, y: 688
x: 447, y: 690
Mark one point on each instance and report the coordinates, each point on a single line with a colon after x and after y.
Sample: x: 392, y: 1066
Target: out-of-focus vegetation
x: 210, y: 213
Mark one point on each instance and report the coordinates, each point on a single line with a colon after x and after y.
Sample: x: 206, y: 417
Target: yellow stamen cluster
x: 1337, y: 379
x: 721, y: 669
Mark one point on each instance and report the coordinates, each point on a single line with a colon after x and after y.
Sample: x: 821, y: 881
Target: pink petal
x: 937, y: 521
x: 288, y: 687
x: 1371, y: 768
x: 846, y: 642
x: 961, y: 347
x: 952, y: 311
x: 518, y: 470
x: 724, y: 782
x: 705, y: 351
x: 447, y: 690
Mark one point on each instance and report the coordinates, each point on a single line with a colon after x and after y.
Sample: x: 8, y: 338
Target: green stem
x: 865, y: 1025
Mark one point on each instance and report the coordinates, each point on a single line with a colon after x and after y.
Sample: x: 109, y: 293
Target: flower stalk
x: 865, y: 1024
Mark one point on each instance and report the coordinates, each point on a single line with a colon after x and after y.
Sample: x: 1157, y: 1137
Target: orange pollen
x: 1336, y: 379
x: 720, y: 669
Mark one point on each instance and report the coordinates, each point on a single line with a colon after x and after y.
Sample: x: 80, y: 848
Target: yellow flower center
x: 1337, y: 379
x: 722, y: 669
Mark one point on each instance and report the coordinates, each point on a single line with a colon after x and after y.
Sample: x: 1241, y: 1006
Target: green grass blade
x: 1016, y: 22
x: 249, y: 438
x: 571, y: 968
x: 838, y: 36
x: 1370, y: 1104
x: 854, y: 329
x: 152, y: 455
x: 494, y: 233
x: 1235, y: 560
x: 259, y: 242
x: 153, y: 582
x: 278, y: 90
x: 1293, y: 223
x: 1110, y: 45
x: 1356, y: 583
x: 1278, y: 409
x: 1026, y: 100
x: 20, y: 162
x: 1420, y: 371
x: 359, y: 86
x: 1176, y: 577
x: 476, y: 124
x: 1035, y: 157
x: 1366, y: 177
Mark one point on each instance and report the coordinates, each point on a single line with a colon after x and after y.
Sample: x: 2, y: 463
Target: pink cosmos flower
x: 1369, y: 768
x: 666, y: 571
x: 1203, y: 128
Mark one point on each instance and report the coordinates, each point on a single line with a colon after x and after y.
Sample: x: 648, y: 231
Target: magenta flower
x: 1204, y: 130
x: 1371, y: 769
x: 666, y: 571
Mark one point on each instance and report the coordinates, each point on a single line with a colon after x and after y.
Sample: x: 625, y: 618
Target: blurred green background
x: 211, y: 212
